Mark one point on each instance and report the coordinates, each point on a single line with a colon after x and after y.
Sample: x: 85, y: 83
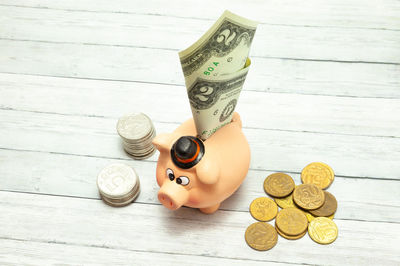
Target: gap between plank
x: 171, y: 49
x: 195, y: 18
x: 182, y: 85
x: 153, y: 161
x: 178, y: 123
x: 158, y: 204
x: 143, y: 251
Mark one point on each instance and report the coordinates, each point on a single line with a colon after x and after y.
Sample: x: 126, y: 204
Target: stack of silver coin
x: 118, y: 185
x: 137, y: 132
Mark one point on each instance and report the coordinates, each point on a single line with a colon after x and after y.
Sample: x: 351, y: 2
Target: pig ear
x: 208, y: 171
x: 163, y: 142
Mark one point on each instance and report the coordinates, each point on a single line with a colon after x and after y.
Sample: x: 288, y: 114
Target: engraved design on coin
x: 263, y: 209
x: 134, y: 126
x: 137, y: 132
x: 225, y: 39
x: 228, y: 110
x: 204, y: 93
x: 319, y: 174
x: 116, y: 180
x: 323, y: 230
x: 261, y: 236
x: 308, y: 196
x: 328, y: 208
x: 279, y: 185
x: 291, y: 221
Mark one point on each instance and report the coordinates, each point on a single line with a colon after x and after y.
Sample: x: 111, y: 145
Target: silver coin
x: 120, y: 203
x: 145, y: 141
x: 139, y: 150
x: 137, y: 145
x: 141, y: 156
x: 134, y: 126
x: 147, y: 138
x: 125, y: 197
x: 116, y: 180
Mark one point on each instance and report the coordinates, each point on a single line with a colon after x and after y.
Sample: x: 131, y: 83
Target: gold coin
x: 319, y: 174
x: 309, y: 216
x: 328, y: 208
x: 263, y: 209
x: 279, y: 185
x: 286, y: 202
x: 291, y: 221
x: 290, y: 237
x: 261, y: 236
x: 308, y: 196
x: 323, y: 230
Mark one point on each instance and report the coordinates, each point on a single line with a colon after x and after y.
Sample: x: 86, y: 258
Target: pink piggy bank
x: 201, y: 174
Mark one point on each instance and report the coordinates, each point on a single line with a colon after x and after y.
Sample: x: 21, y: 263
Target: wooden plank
x: 144, y: 227
x: 22, y: 252
x: 316, y: 43
x: 271, y: 150
x: 59, y: 132
x: 62, y: 174
x: 326, y: 114
x: 121, y: 63
x: 341, y: 13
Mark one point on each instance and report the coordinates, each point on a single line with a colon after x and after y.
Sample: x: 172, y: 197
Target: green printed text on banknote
x: 215, y: 68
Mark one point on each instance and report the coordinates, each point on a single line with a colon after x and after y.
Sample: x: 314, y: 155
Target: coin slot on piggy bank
x: 201, y: 174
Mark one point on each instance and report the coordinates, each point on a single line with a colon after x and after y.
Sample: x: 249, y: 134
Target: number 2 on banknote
x: 211, y: 69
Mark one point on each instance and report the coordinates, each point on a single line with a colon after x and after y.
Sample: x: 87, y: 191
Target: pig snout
x: 172, y: 195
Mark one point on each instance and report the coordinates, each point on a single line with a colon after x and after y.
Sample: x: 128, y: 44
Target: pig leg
x: 211, y: 209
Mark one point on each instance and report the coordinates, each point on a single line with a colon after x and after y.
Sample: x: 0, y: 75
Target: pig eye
x: 170, y: 174
x: 182, y: 180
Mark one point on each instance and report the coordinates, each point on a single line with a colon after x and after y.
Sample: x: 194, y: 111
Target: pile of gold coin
x: 303, y: 208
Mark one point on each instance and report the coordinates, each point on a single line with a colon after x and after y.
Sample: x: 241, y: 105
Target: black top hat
x: 187, y: 151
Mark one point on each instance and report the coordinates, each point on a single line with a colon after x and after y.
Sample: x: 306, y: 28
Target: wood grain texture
x: 143, y: 227
x: 271, y: 150
x: 279, y: 41
x: 51, y: 252
x: 76, y: 176
x: 273, y: 111
x: 374, y: 14
x: 115, y: 63
x: 324, y: 86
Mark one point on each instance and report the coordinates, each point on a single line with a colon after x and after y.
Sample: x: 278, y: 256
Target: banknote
x: 215, y: 68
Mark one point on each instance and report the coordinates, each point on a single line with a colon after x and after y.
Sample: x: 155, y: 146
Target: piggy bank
x: 201, y: 174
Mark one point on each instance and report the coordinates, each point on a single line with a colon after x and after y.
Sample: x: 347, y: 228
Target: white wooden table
x: 324, y: 86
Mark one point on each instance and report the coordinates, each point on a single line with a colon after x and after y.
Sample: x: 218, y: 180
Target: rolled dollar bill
x: 215, y: 68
